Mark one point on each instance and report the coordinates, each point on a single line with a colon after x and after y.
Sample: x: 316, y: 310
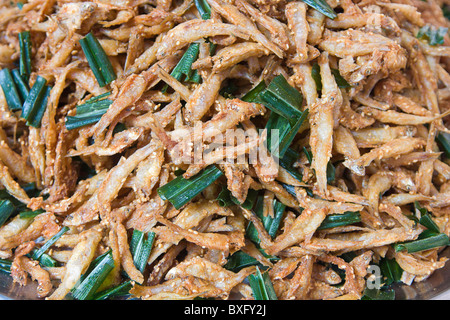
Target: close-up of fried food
x: 224, y: 149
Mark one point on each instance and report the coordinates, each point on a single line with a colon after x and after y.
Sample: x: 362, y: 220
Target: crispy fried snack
x: 179, y: 149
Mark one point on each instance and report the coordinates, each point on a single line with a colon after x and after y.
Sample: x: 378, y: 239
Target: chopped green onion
x: 225, y: 198
x: 331, y: 172
x: 426, y: 220
x: 121, y: 290
x: 240, y: 259
x: 22, y: 86
x: 10, y: 90
x: 98, y: 60
x: 25, y: 54
x: 30, y: 214
x: 7, y: 208
x: 430, y: 242
x: 322, y: 6
x: 140, y: 248
x: 432, y: 35
x: 270, y: 224
x: 282, y: 98
x: 94, y: 277
x: 183, y: 66
x: 287, y: 162
x: 308, y: 155
x: 249, y: 201
x: 47, y: 261
x: 286, y: 132
x: 38, y: 253
x: 315, y: 74
x: 89, y: 112
x: 337, y: 220
x: 340, y: 81
x: 5, y: 265
x: 35, y: 121
x: 391, y: 270
x: 203, y: 8
x: 262, y: 286
x: 443, y: 139
x: 34, y: 106
x: 253, y: 94
x: 180, y: 191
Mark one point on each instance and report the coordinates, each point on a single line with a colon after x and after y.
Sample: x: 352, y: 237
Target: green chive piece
x: 35, y: 120
x: 262, y: 286
x: 33, y: 105
x: 94, y: 277
x: 270, y: 224
x: 282, y: 98
x: 340, y: 81
x: 240, y: 260
x: 443, y: 139
x: 46, y: 261
x: 287, y: 162
x: 203, y: 8
x: 7, y: 208
x: 315, y: 74
x: 25, y: 54
x: 287, y: 130
x: 322, y: 6
x: 38, y: 253
x: 253, y: 94
x: 194, y: 77
x: 10, y: 90
x: 98, y: 60
x: 140, y: 248
x: 5, y: 265
x: 89, y: 112
x: 180, y: 191
x: 426, y: 220
x: 121, y: 290
x: 430, y: 242
x: 30, y: 214
x: 337, y: 220
x: 183, y: 66
x: 432, y: 35
x: 308, y: 154
x: 21, y: 85
x: 391, y: 271
x: 225, y: 199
